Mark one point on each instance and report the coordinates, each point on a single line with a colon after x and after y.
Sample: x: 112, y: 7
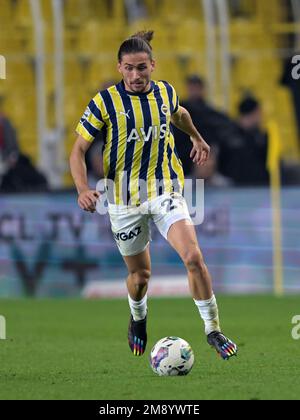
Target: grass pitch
x: 76, y: 349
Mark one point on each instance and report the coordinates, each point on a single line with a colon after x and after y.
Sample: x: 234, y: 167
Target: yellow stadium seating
x: 93, y: 32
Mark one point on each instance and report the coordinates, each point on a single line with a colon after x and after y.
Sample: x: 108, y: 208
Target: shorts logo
x: 126, y: 236
x: 164, y: 109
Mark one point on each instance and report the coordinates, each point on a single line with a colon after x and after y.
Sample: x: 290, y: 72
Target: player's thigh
x: 182, y: 237
x: 169, y: 209
x: 140, y: 263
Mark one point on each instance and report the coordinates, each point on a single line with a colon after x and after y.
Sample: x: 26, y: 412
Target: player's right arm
x: 87, y: 198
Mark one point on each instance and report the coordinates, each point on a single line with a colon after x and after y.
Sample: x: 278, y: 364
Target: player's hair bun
x: 147, y: 36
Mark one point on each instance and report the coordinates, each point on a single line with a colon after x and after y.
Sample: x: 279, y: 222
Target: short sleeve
x: 173, y: 97
x: 175, y: 101
x: 92, y: 120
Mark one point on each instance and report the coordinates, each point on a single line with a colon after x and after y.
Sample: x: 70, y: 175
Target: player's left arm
x: 183, y: 120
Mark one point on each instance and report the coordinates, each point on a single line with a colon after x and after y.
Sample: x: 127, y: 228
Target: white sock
x: 138, y: 309
x: 208, y: 310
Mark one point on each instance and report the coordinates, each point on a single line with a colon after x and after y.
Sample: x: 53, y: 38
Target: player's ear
x: 153, y: 65
x: 119, y: 67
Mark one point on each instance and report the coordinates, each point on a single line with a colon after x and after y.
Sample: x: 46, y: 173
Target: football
x: 171, y: 356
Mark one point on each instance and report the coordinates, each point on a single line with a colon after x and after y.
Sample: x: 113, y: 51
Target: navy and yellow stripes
x: 134, y: 182
x: 129, y: 125
x: 161, y: 150
x: 139, y: 145
x: 91, y: 122
x: 146, y: 154
x: 173, y: 98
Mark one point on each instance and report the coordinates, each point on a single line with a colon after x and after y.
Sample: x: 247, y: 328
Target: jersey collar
x: 122, y: 87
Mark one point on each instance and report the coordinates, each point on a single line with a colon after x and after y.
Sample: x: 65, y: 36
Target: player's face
x: 136, y: 70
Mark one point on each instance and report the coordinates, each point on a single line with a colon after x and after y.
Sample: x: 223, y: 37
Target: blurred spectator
x: 23, y: 177
x: 294, y: 85
x: 243, y: 157
x: 17, y: 174
x: 9, y: 150
x: 213, y: 125
x: 209, y: 172
x: 290, y: 173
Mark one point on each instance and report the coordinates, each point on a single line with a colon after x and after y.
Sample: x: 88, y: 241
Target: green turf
x: 75, y: 349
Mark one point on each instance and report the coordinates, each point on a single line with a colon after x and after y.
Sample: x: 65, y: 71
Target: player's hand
x: 200, y: 152
x: 87, y: 200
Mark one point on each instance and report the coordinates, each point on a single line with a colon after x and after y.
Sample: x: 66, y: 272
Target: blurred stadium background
x: 58, y: 53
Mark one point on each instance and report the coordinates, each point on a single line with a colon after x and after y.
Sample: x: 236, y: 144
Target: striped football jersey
x: 139, y: 156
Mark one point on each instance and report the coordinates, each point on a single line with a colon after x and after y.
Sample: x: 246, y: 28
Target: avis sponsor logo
x: 127, y: 236
x: 296, y: 329
x: 153, y: 133
x: 2, y: 67
x: 296, y: 68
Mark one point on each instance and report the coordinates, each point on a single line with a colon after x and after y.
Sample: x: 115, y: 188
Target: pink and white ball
x: 172, y: 356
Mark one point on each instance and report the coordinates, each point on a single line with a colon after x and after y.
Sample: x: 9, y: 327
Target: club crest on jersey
x: 164, y: 109
x: 153, y: 133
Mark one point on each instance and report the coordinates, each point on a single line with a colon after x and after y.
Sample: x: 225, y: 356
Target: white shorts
x: 131, y: 224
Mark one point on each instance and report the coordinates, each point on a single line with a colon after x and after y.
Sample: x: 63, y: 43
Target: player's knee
x: 193, y: 260
x: 141, y: 277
